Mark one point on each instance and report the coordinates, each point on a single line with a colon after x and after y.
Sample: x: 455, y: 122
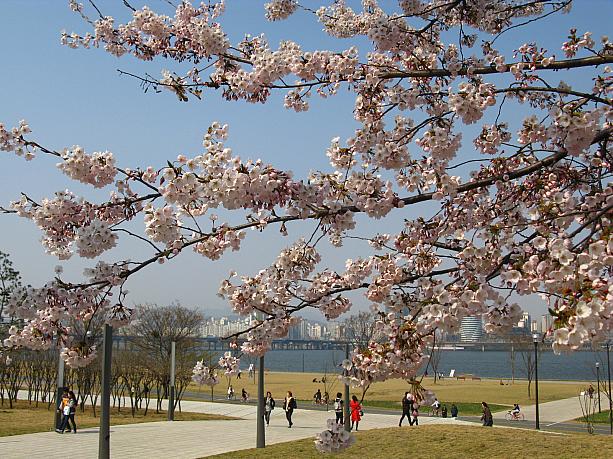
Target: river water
x: 578, y: 365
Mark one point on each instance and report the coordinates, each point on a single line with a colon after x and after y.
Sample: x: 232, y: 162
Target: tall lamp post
x: 260, y: 430
x: 598, y: 384
x: 346, y: 413
x: 610, y: 394
x: 535, y: 338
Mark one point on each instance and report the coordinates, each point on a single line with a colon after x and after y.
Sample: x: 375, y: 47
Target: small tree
x: 10, y: 282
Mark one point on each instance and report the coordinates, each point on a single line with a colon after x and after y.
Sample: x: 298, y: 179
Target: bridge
x: 214, y: 343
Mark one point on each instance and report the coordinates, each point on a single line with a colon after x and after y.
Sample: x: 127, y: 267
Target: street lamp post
x: 171, y: 395
x: 260, y: 430
x: 536, y: 338
x: 610, y: 394
x: 59, y: 392
x: 598, y: 384
x: 346, y: 413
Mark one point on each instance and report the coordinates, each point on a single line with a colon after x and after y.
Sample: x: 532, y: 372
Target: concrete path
x: 551, y: 412
x: 187, y: 439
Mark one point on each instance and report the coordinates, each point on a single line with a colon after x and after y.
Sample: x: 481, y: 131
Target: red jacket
x: 355, y: 408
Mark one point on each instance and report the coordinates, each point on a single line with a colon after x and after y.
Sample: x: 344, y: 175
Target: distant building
x: 525, y: 322
x: 546, y: 322
x: 471, y: 329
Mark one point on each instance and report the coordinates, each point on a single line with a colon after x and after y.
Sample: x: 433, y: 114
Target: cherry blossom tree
x: 516, y: 207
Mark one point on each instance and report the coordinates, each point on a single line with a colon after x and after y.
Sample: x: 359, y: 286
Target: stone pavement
x: 186, y: 439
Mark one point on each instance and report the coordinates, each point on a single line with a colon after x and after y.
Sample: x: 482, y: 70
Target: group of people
x: 67, y: 407
x: 410, y: 410
x: 232, y: 396
x: 289, y: 405
x: 318, y: 399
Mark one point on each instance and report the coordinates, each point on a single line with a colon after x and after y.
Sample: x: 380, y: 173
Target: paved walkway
x: 551, y: 412
x: 187, y: 439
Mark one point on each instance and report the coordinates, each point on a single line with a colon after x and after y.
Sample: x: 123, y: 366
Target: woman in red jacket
x: 356, y: 412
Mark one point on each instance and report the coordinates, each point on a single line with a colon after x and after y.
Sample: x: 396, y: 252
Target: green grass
x: 602, y: 417
x: 599, y: 418
x: 25, y: 418
x: 440, y: 441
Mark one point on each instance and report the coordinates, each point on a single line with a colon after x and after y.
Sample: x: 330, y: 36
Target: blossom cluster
x: 229, y: 364
x: 203, y: 375
x: 335, y: 438
x: 97, y: 169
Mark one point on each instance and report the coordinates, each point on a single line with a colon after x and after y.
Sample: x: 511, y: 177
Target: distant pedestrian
x: 338, y: 408
x: 454, y: 411
x: 356, y: 412
x: 251, y: 370
x: 238, y: 375
x: 317, y: 397
x: 269, y: 405
x: 444, y: 411
x: 590, y: 391
x: 436, y: 406
x: 230, y: 392
x: 326, y: 398
x: 487, y: 417
x: 73, y: 409
x: 415, y: 415
x: 289, y: 405
x: 244, y: 395
x: 407, y: 408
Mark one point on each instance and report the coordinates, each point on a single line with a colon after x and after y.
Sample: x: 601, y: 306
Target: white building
x: 471, y: 329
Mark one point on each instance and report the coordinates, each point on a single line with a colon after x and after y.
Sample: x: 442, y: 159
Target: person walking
x: 244, y: 395
x: 269, y: 405
x: 356, y: 412
x: 64, y: 409
x: 230, y: 392
x: 415, y: 415
x: 289, y: 405
x: 338, y: 408
x: 407, y: 408
x: 486, y: 417
x: 454, y: 411
x: 72, y: 403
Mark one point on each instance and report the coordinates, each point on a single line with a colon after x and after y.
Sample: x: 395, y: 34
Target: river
x: 578, y: 365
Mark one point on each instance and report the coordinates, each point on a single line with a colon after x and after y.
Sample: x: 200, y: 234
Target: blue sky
x: 77, y: 97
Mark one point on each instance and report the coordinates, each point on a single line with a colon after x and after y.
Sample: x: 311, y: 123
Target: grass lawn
x: 599, y: 418
x: 24, y: 418
x: 446, y: 442
x: 448, y: 390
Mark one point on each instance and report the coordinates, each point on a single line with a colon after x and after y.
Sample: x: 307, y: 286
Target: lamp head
x: 536, y: 337
x: 597, y: 364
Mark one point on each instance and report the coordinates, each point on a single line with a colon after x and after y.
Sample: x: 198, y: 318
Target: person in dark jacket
x: 289, y: 405
x: 454, y: 411
x: 486, y: 417
x: 407, y: 408
x: 269, y: 405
